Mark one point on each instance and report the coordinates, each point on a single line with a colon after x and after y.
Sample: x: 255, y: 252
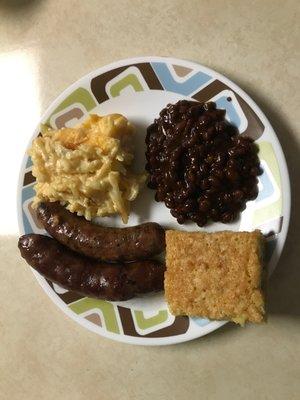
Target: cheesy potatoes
x: 87, y: 168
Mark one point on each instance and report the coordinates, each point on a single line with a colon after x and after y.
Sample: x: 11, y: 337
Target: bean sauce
x: 199, y: 165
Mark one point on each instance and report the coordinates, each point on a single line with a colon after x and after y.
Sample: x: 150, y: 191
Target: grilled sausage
x: 108, y: 244
x: 89, y: 277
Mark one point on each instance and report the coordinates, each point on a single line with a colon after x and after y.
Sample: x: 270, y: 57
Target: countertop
x: 45, y: 45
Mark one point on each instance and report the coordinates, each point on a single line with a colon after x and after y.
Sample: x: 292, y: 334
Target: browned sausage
x: 89, y: 277
x: 108, y: 244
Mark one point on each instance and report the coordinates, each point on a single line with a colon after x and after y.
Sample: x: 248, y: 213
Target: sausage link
x: 89, y: 277
x: 109, y: 244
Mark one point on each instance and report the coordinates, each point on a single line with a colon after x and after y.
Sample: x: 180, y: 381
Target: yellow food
x: 87, y: 168
x: 215, y: 275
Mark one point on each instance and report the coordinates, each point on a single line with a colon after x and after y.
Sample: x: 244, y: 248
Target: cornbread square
x: 215, y: 275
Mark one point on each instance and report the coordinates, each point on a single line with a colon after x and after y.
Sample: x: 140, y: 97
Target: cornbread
x: 87, y: 168
x: 215, y: 275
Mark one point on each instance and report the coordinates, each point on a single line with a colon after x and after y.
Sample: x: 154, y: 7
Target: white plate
x: 139, y: 88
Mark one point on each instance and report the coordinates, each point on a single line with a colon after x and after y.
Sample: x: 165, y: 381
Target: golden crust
x: 215, y: 275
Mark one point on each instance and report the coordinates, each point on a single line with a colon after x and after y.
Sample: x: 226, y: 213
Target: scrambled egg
x: 86, y: 167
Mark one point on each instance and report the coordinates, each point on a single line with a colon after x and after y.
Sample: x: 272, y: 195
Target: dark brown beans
x: 214, y: 181
x: 175, y: 213
x: 180, y: 219
x: 210, y: 159
x: 254, y: 171
x: 227, y: 217
x: 218, y: 173
x: 214, y: 214
x: 198, y: 163
x: 204, y: 205
x: 209, y: 106
x: 204, y: 185
x: 232, y: 174
x: 238, y: 195
x: 227, y: 198
x: 189, y: 205
x: 201, y: 220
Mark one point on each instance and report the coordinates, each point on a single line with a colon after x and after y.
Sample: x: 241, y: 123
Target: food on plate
x: 89, y: 277
x: 198, y: 163
x: 110, y: 244
x: 87, y: 168
x: 215, y: 275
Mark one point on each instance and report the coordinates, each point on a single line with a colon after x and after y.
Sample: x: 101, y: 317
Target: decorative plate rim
x: 286, y: 204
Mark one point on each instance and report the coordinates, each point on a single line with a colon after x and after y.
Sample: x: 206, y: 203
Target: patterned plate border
x: 270, y: 211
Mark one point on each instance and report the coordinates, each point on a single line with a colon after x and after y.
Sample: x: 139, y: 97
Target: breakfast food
x: 199, y: 165
x: 215, y: 275
x: 110, y: 244
x: 90, y: 277
x: 87, y: 168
